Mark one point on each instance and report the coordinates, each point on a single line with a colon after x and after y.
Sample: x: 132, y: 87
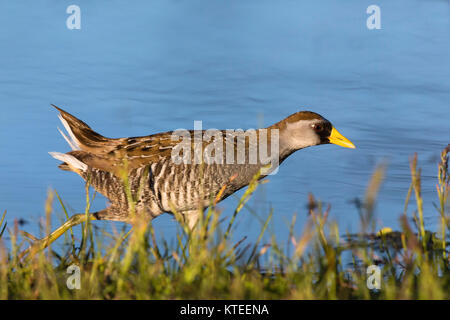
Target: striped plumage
x: 159, y: 185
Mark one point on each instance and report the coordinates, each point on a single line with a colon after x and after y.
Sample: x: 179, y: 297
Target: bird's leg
x: 74, y: 220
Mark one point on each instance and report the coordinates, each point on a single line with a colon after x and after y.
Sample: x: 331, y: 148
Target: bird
x: 147, y: 176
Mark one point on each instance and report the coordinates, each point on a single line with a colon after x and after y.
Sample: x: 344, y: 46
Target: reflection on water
x: 150, y: 67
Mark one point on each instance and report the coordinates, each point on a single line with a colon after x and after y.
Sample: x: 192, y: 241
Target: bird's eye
x: 317, y: 127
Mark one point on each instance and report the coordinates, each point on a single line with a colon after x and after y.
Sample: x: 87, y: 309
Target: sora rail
x: 158, y: 184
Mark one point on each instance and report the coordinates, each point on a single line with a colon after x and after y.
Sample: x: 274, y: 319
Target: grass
x: 319, y: 263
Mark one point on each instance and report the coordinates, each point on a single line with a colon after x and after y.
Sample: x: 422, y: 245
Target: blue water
x: 148, y: 66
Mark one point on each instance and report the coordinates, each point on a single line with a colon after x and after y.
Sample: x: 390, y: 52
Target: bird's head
x: 305, y: 128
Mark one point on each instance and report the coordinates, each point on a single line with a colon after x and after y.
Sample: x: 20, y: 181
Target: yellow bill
x: 337, y: 138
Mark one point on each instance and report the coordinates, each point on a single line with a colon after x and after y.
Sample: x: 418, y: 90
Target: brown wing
x: 135, y: 152
x: 113, y: 155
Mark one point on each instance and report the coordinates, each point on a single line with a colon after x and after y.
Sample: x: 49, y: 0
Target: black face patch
x: 323, y: 129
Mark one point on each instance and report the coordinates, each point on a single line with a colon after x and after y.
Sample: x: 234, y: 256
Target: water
x: 155, y: 66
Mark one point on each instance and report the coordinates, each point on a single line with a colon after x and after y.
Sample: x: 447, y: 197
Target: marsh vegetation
x: 322, y: 262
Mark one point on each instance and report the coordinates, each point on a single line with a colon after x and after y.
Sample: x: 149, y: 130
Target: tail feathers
x: 72, y: 141
x: 81, y: 136
x: 70, y: 163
